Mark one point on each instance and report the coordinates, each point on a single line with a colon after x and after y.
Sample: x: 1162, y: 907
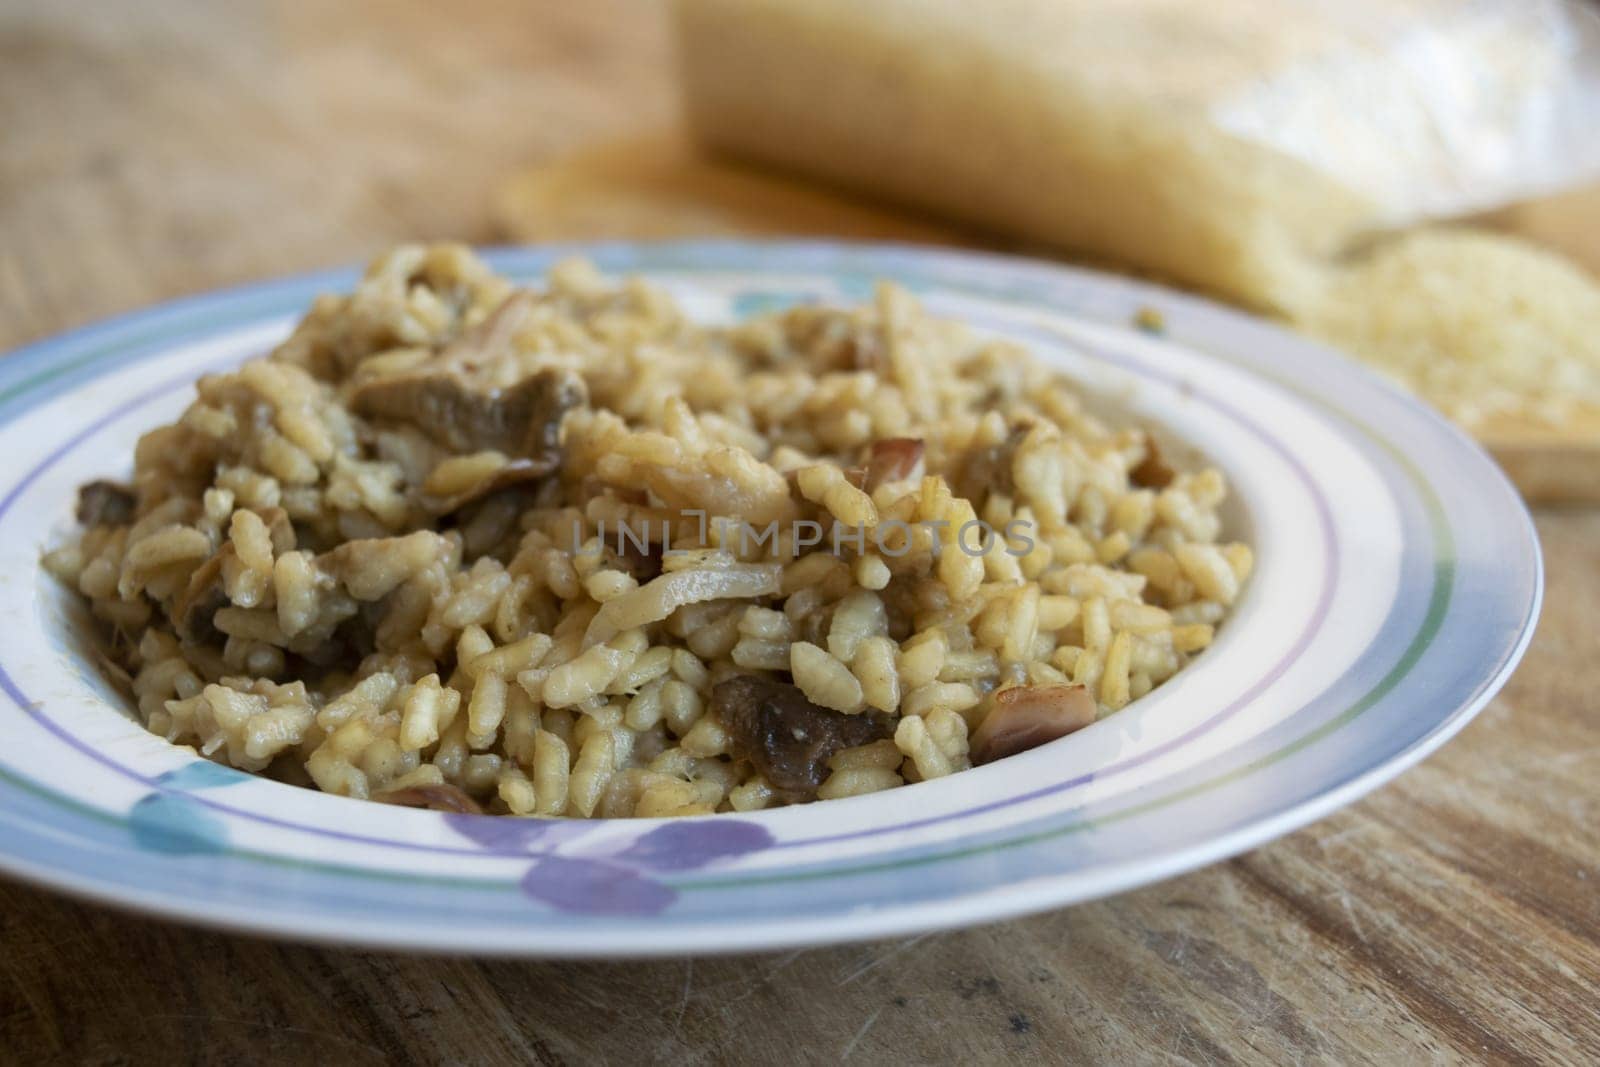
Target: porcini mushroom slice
x: 105, y: 503
x: 464, y: 416
x: 786, y: 737
x: 443, y: 797
x: 1152, y: 472
x: 194, y: 608
x: 1027, y: 716
x: 987, y: 470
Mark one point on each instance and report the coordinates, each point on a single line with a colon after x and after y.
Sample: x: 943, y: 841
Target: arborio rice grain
x: 469, y: 547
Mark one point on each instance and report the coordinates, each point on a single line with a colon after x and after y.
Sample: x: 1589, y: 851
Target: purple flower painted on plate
x: 594, y: 887
x: 504, y: 833
x: 682, y: 846
x: 608, y: 879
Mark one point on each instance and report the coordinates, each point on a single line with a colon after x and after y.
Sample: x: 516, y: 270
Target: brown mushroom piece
x: 202, y: 598
x: 443, y: 797
x: 103, y: 503
x: 1152, y: 472
x: 786, y: 737
x: 988, y: 470
x: 856, y: 476
x: 892, y: 459
x: 642, y: 563
x: 1027, y: 716
x: 521, y: 420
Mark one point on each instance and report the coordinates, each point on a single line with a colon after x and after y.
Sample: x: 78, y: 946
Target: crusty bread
x: 1230, y: 145
x: 1486, y: 326
x: 1499, y: 334
x: 1058, y: 123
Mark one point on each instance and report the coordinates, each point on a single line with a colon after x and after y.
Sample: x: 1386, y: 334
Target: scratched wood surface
x: 155, y: 149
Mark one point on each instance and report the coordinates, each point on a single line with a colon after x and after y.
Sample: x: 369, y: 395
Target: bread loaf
x: 1021, y: 116
x: 1230, y: 145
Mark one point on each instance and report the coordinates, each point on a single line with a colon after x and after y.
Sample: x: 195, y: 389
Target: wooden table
x: 155, y: 149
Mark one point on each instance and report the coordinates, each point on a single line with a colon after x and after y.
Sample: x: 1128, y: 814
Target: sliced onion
x: 662, y: 596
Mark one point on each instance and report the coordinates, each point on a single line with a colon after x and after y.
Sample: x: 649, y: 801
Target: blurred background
x: 1295, y: 158
x: 1411, y: 180
x: 260, y: 138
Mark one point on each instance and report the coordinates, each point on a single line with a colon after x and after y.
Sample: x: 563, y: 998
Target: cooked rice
x: 335, y: 575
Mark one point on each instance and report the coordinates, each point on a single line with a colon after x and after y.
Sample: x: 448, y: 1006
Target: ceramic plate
x: 1397, y: 583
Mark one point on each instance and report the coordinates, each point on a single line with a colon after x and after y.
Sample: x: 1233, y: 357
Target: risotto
x: 563, y: 552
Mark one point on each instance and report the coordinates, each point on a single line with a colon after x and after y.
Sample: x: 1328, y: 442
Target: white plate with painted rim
x: 1397, y: 583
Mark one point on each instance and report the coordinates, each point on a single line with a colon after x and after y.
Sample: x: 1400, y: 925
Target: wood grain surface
x: 155, y: 149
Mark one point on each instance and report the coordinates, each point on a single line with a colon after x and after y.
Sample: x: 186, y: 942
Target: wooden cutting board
x: 660, y: 187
